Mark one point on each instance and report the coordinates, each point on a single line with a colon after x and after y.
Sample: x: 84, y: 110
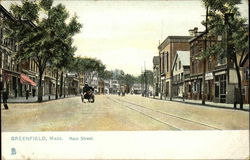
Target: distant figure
x: 33, y: 92
x: 236, y: 97
x: 15, y: 93
x: 27, y: 94
x: 123, y: 90
x: 5, y: 99
x: 118, y: 92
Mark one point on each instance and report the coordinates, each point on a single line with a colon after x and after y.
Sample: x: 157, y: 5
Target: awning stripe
x: 26, y: 80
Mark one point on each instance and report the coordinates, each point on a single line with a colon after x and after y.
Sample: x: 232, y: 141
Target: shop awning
x: 26, y: 80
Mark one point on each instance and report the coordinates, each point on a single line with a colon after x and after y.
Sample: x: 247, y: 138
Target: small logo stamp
x: 13, y: 151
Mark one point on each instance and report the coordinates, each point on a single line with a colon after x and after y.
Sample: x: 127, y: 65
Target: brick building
x: 167, y: 51
x: 17, y: 78
x: 194, y: 82
x: 220, y: 74
x: 244, y: 65
x: 8, y: 67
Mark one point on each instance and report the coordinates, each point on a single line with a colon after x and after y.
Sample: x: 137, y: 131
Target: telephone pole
x: 204, y: 62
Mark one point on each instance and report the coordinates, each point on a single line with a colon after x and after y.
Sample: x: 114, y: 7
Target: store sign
x: 209, y: 76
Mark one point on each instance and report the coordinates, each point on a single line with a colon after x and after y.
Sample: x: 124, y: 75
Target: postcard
x: 128, y: 79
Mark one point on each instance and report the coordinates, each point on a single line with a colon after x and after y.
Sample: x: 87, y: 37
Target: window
x: 179, y: 64
x: 162, y: 62
x: 210, y: 63
x: 193, y: 67
x: 198, y: 86
x: 216, y: 89
x: 194, y: 86
x: 246, y: 73
x: 167, y: 62
x: 221, y: 59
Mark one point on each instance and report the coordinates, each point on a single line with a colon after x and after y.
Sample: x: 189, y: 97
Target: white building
x: 113, y: 87
x: 180, y: 69
x: 136, y: 89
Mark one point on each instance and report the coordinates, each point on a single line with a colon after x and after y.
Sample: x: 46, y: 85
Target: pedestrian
x: 82, y: 96
x: 5, y: 99
x: 33, y: 92
x: 27, y: 94
x: 236, y: 97
x: 183, y: 96
x: 15, y: 93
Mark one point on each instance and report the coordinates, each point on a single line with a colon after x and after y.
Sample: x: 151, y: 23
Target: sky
x: 125, y: 34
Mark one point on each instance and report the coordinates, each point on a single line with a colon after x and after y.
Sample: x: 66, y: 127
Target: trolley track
x: 174, y: 121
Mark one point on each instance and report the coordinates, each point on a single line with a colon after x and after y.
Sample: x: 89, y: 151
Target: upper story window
x: 179, y: 64
x: 209, y: 63
x: 246, y: 74
x: 162, y: 62
x: 167, y: 62
x: 221, y: 59
x: 193, y: 67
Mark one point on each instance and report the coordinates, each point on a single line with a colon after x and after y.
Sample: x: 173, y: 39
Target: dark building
x: 156, y: 71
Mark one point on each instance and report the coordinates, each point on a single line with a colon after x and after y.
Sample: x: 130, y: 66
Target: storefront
x: 27, y: 85
x: 220, y: 88
x: 10, y: 82
x: 209, y: 77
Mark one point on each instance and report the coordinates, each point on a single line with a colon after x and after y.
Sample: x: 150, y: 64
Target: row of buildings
x: 179, y: 73
x: 20, y: 78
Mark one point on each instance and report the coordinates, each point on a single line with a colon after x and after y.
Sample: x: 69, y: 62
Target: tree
x: 41, y: 33
x: 120, y: 77
x: 146, y: 79
x: 225, y: 18
x: 89, y: 67
x: 106, y: 75
x: 63, y: 39
x: 129, y: 81
x: 149, y: 75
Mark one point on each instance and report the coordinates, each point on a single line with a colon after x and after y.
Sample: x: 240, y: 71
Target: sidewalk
x: 207, y: 104
x: 32, y: 99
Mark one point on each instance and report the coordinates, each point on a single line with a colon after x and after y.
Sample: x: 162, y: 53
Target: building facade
x: 156, y: 72
x: 244, y: 66
x: 113, y: 86
x: 167, y: 51
x: 181, y: 71
x: 73, y: 83
x: 21, y: 78
x: 8, y: 67
x: 220, y: 74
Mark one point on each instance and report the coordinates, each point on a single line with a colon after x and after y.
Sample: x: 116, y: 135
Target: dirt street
x: 111, y: 112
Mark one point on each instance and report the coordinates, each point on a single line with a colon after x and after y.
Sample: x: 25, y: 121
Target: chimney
x: 195, y: 31
x: 191, y: 32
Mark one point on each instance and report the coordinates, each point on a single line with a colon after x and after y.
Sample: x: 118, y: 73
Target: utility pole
x: 1, y: 88
x: 142, y: 82
x: 204, y: 61
x: 145, y: 78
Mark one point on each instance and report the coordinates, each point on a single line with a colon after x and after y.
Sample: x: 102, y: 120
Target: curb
x: 206, y: 105
x: 23, y: 102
